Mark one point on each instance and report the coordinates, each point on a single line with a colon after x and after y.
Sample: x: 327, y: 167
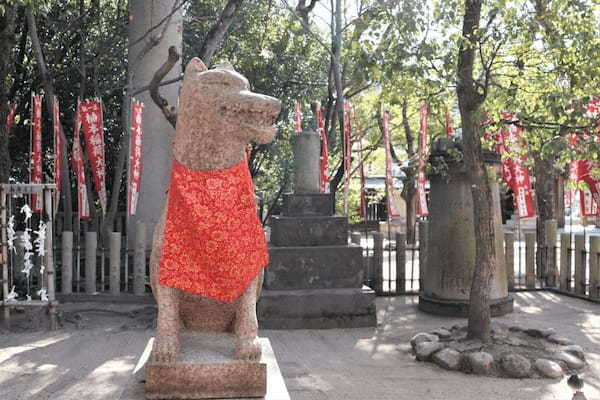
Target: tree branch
x: 170, y: 112
x: 218, y: 31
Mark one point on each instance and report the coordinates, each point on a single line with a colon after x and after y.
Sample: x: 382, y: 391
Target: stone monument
x: 450, y: 256
x: 315, y: 278
x: 209, y: 248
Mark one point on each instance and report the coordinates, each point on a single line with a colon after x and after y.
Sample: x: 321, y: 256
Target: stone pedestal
x: 314, y: 279
x: 207, y: 370
x: 450, y: 261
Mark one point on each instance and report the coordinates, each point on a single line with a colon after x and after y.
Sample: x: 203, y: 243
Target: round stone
x: 447, y: 359
x: 425, y: 350
x: 422, y: 337
x: 559, y: 340
x: 569, y: 359
x: 442, y: 333
x: 576, y: 350
x: 515, y: 365
x: 480, y: 362
x: 548, y: 368
x: 540, y: 333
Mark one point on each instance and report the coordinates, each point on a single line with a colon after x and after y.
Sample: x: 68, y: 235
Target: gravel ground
x: 94, y: 353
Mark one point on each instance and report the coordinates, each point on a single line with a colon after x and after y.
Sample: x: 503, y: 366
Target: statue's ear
x: 195, y: 65
x: 226, y: 65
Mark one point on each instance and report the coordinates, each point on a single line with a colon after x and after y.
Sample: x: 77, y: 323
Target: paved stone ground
x: 96, y: 360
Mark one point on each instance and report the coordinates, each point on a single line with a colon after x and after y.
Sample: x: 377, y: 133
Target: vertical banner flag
x: 93, y: 133
x: 324, y: 159
x: 514, y: 172
x: 58, y: 147
x: 79, y: 170
x: 36, y: 149
x: 135, y: 157
x: 10, y: 118
x: 391, y: 204
x: 422, y: 210
x: 298, y: 117
x: 347, y: 153
x: 581, y: 171
x: 448, y: 127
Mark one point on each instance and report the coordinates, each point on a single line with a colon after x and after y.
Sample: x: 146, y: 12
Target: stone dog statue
x: 209, y: 249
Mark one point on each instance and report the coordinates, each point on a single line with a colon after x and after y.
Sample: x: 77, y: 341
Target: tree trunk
x: 147, y: 50
x: 545, y: 197
x: 218, y: 31
x: 49, y: 97
x: 409, y: 191
x: 7, y: 29
x: 469, y: 100
x: 559, y: 191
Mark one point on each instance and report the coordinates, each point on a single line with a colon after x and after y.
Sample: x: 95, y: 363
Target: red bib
x: 213, y: 244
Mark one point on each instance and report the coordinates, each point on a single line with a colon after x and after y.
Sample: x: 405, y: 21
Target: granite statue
x: 209, y: 249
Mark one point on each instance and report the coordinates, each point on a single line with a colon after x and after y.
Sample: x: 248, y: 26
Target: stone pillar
x: 315, y: 278
x: 306, y: 163
x: 451, y: 240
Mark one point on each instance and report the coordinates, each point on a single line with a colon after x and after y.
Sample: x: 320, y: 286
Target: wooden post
x: 509, y: 257
x: 91, y: 245
x: 4, y: 255
x: 551, y: 229
x: 355, y: 237
x: 377, y: 266
x: 423, y: 243
x: 66, y: 244
x: 400, y: 262
x: 49, y: 258
x: 580, y: 257
x: 530, y: 260
x: 595, y: 266
x: 77, y: 238
x: 565, y: 261
x: 115, y: 263
x: 139, y: 259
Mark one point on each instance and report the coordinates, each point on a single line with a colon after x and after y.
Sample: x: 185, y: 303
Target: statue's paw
x: 165, y: 348
x: 248, y: 349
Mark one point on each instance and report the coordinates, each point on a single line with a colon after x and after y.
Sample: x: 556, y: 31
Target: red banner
x: 581, y: 171
x: 298, y: 117
x: 514, y: 172
x: 422, y: 210
x: 58, y: 147
x: 79, y: 170
x: 135, y: 156
x: 36, y: 149
x: 93, y: 133
x: 391, y: 195
x: 361, y: 166
x: 448, y: 127
x: 324, y: 159
x: 10, y: 118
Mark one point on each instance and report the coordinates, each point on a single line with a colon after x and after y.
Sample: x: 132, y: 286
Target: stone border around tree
x: 514, y: 352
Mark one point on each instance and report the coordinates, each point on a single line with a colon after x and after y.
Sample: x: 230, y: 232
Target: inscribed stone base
x: 206, y: 369
x: 459, y: 308
x: 317, y: 309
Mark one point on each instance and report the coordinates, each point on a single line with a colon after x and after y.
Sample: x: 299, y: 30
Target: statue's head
x: 220, y: 100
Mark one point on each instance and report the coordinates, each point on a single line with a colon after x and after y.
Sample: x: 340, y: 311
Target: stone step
x: 309, y: 231
x: 297, y: 205
x: 317, y: 309
x: 314, y: 267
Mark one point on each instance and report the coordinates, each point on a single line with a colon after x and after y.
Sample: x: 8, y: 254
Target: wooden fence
x: 572, y: 261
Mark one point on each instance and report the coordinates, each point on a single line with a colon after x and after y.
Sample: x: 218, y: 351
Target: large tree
x: 471, y: 95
